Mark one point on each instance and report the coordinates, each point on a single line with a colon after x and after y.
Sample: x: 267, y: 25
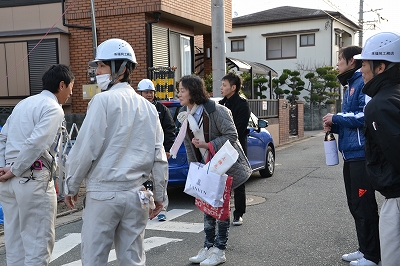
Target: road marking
x: 149, y: 243
x: 171, y: 226
x: 65, y: 244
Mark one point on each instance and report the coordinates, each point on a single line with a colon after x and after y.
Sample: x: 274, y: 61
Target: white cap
x: 114, y: 49
x: 146, y: 85
x: 381, y: 46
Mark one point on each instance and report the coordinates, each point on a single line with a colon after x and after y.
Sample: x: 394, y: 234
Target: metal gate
x: 293, y: 121
x: 164, y: 81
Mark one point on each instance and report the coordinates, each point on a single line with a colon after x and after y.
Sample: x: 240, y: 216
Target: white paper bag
x: 223, y: 160
x: 203, y: 184
x: 331, y: 152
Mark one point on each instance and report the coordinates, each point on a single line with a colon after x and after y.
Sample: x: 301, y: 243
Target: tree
x: 259, y: 87
x: 294, y: 85
x: 323, y: 86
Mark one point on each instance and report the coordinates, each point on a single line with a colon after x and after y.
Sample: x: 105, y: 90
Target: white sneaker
x: 363, y: 262
x: 216, y: 256
x: 353, y: 256
x: 201, y: 255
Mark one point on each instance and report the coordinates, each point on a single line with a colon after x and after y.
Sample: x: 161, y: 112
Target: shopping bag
x: 223, y: 160
x: 219, y: 213
x: 204, y: 184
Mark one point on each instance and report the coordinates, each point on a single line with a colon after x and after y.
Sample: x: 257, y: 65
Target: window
x: 22, y: 74
x: 307, y: 40
x: 282, y: 47
x: 338, y: 40
x: 237, y: 45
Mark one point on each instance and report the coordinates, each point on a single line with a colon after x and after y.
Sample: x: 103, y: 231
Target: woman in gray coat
x: 205, y: 123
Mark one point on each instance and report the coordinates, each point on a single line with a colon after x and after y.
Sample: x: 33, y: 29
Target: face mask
x: 103, y: 81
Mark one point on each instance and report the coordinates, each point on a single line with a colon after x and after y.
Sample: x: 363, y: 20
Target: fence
x: 264, y: 108
x: 164, y: 81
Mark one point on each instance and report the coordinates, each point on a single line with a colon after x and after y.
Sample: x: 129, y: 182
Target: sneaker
x: 161, y: 217
x: 353, y: 256
x: 363, y: 262
x: 237, y: 221
x: 216, y: 256
x: 201, y: 255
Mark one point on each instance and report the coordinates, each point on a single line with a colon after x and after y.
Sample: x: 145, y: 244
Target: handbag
x: 219, y: 213
x: 203, y: 184
x: 223, y: 160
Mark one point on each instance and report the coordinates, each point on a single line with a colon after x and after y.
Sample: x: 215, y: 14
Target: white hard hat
x: 114, y: 49
x: 381, y: 46
x: 146, y: 85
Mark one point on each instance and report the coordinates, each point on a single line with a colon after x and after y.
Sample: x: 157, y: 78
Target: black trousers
x: 239, y: 198
x: 362, y: 204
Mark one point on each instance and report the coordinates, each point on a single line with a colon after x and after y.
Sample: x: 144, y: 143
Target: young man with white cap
x: 147, y: 90
x: 120, y: 142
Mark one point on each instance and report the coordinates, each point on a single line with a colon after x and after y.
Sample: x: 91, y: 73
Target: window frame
x: 307, y: 35
x: 294, y: 37
x: 238, y: 49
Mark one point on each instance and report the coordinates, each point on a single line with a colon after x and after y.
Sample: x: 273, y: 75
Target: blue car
x: 260, y: 149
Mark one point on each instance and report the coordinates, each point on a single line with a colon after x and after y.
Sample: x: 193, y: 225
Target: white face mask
x: 103, y: 81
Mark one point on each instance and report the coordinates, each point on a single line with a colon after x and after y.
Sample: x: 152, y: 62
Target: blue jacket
x: 349, y: 124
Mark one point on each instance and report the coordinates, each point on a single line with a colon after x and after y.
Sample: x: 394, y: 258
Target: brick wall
x: 300, y: 119
x: 126, y: 19
x: 207, y: 61
x: 283, y: 114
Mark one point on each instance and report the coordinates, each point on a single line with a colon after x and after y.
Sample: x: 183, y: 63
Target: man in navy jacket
x: 359, y: 191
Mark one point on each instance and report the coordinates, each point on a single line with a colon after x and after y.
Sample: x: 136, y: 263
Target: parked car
x: 260, y: 150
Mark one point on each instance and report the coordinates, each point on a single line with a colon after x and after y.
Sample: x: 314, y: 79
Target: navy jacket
x: 349, y: 124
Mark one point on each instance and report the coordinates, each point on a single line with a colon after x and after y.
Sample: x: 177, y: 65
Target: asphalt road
x: 297, y: 217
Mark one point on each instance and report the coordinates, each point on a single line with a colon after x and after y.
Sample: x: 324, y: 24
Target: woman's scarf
x: 186, y: 118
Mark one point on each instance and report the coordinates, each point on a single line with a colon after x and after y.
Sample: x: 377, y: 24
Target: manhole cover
x: 250, y: 200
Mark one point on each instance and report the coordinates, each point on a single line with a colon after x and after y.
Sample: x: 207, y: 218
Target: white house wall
x: 324, y: 53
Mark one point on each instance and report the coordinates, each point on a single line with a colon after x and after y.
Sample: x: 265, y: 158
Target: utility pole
x: 94, y: 33
x: 361, y: 22
x: 218, y: 44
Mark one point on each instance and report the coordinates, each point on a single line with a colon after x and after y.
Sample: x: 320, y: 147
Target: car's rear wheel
x: 269, y: 169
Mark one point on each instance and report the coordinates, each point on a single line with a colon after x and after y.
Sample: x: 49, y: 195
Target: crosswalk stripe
x: 149, y: 243
x: 65, y: 244
x: 70, y: 241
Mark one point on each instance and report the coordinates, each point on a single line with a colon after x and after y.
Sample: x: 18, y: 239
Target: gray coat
x: 221, y: 129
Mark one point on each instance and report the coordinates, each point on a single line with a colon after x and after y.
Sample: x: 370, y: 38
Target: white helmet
x: 114, y: 49
x: 146, y: 85
x: 381, y: 46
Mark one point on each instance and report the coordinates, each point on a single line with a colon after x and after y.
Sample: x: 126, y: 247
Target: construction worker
x: 120, y: 142
x: 147, y: 90
x: 27, y: 150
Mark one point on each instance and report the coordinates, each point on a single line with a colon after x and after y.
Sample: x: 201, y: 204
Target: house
x: 37, y: 33
x: 290, y: 38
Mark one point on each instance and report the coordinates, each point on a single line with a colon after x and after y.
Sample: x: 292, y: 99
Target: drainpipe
x: 70, y: 25
x: 149, y: 39
x: 331, y: 41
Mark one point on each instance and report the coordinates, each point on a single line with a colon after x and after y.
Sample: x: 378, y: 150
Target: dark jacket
x: 349, y: 124
x: 167, y: 124
x: 241, y: 113
x: 382, y: 132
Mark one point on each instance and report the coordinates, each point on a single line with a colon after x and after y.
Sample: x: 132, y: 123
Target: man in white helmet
x: 120, y: 142
x: 147, y: 90
x: 381, y: 73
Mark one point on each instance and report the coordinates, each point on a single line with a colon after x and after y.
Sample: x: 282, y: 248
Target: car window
x: 253, y: 120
